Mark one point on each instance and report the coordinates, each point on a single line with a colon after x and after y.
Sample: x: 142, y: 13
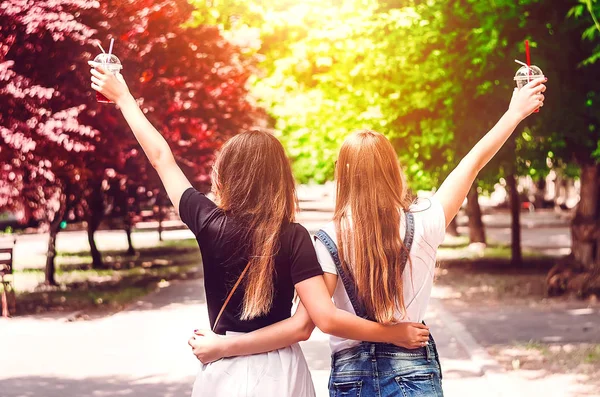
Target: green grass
x: 114, y: 298
x: 537, y: 346
x: 69, y: 276
x: 172, y: 252
x: 593, y: 355
x: 490, y: 251
x: 578, y: 353
x: 456, y: 242
x: 187, y: 243
x: 119, y: 297
x: 127, y: 278
x: 162, y: 248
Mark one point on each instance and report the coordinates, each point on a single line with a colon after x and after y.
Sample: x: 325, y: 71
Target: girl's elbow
x: 305, y: 331
x: 162, y: 158
x: 326, y: 324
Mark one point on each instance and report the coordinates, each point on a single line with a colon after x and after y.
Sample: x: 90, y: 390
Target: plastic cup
x: 525, y: 74
x: 112, y: 64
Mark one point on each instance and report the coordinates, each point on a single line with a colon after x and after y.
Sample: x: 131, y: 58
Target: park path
x: 142, y: 351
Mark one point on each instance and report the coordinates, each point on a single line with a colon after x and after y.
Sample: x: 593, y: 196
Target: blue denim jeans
x: 382, y: 370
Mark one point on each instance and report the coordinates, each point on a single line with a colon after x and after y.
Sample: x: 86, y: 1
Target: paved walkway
x: 569, y: 322
x: 142, y: 351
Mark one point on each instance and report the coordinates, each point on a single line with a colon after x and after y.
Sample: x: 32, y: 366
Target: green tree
x: 572, y: 128
x: 431, y: 76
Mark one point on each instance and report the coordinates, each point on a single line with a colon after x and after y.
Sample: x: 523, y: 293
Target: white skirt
x: 281, y: 373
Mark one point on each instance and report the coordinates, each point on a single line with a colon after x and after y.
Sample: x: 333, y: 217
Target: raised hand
x: 527, y: 99
x: 112, y: 86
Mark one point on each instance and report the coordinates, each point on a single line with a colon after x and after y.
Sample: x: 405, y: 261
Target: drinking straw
x: 528, y: 55
x: 100, y: 45
x: 522, y: 63
x: 112, y: 41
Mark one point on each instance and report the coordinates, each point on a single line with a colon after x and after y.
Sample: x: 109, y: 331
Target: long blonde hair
x: 371, y: 193
x: 253, y: 182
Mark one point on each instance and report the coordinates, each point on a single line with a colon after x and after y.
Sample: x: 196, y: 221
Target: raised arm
x: 453, y: 191
x: 154, y: 145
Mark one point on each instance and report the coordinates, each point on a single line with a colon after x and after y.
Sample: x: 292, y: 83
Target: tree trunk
x: 51, y: 254
x: 128, y: 227
x: 57, y: 219
x: 559, y: 182
x: 96, y: 212
x: 161, y: 216
x: 476, y: 229
x: 540, y: 193
x: 453, y: 228
x: 515, y: 209
x: 97, y: 262
x: 585, y: 229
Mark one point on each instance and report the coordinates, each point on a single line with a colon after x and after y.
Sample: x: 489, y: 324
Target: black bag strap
x: 347, y: 278
x: 237, y: 283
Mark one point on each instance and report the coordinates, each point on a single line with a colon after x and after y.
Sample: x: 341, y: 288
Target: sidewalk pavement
x: 142, y: 351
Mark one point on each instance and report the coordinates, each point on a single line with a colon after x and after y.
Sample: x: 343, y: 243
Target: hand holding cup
x: 111, y: 85
x: 528, y: 99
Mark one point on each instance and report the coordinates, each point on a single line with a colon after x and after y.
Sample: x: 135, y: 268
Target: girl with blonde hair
x: 379, y: 255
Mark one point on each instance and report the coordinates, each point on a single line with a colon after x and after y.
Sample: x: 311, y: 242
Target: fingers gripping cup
x: 526, y: 74
x: 112, y: 64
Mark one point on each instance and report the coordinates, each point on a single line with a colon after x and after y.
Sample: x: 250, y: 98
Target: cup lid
x: 528, y: 73
x: 107, y: 59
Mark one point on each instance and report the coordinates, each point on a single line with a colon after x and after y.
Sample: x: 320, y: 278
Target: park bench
x: 6, y: 276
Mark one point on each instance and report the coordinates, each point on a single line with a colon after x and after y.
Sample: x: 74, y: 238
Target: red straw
x: 529, y: 64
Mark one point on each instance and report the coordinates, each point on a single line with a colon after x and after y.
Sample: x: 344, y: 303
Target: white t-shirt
x: 430, y: 230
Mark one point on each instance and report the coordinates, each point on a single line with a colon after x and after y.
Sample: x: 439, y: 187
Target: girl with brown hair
x: 254, y: 255
x: 383, y: 248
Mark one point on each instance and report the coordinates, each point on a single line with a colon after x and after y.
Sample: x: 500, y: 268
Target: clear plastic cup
x: 525, y: 74
x: 113, y: 65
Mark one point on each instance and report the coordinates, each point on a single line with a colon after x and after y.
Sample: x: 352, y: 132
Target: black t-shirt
x: 225, y: 250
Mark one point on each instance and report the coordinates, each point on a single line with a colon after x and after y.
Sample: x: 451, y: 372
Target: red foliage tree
x: 60, y: 149
x: 43, y: 141
x: 191, y: 82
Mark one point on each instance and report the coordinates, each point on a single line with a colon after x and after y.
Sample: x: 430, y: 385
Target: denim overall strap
x: 408, y: 236
x: 347, y: 279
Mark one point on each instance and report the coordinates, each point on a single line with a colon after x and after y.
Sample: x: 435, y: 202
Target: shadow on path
x: 522, y: 324
x: 179, y: 292
x: 30, y: 386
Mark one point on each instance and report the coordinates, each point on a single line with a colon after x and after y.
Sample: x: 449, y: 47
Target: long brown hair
x: 253, y: 182
x: 371, y: 192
